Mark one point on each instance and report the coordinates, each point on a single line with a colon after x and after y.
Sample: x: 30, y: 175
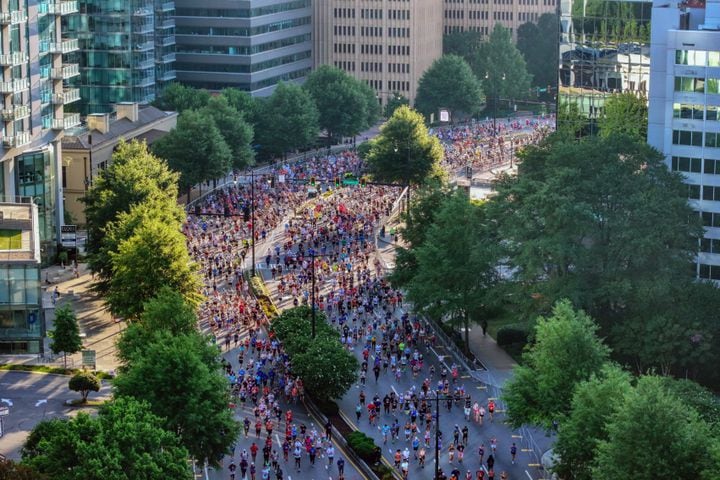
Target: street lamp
x: 313, y: 300
x: 495, y: 100
x: 407, y: 176
x: 437, y: 399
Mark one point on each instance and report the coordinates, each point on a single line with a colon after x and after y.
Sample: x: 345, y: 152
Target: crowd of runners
x: 331, y: 236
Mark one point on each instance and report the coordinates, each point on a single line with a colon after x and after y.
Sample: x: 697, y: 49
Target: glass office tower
x: 604, y: 49
x: 125, y: 54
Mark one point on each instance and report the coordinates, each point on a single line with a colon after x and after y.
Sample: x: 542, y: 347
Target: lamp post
x: 495, y: 100
x: 437, y: 399
x: 407, y: 177
x: 313, y: 300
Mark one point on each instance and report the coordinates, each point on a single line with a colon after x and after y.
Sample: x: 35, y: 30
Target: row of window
x: 697, y: 85
x: 456, y: 14
x: 473, y: 28
x: 370, y: 31
x: 399, y: 67
x: 345, y: 65
x: 528, y: 16
x: 242, y: 31
x: 371, y: 67
x: 371, y: 49
x: 695, y: 165
x: 704, y: 192
x: 344, y: 47
x: 344, y: 13
x: 478, y: 14
x: 244, y: 50
x: 688, y: 137
x: 398, y: 14
x: 376, y: 84
x: 710, y: 245
x: 344, y: 30
x: 403, y: 32
x: 255, y: 67
x: 696, y: 111
x: 371, y: 13
x: 697, y: 58
x: 398, y: 86
x: 211, y: 85
x: 242, y: 12
x: 709, y: 272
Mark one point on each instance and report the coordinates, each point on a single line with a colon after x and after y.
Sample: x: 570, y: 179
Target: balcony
x: 167, y: 7
x: 13, y: 18
x: 13, y: 59
x: 14, y: 141
x: 66, y: 46
x: 167, y: 23
x: 69, y: 95
x: 144, y: 27
x: 69, y: 120
x: 142, y: 12
x: 166, y: 41
x: 15, y: 86
x: 143, y: 47
x: 168, y: 58
x: 16, y: 112
x: 58, y: 7
x: 67, y: 71
x: 168, y: 76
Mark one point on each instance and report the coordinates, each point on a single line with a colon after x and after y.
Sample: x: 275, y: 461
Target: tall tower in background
x: 482, y: 15
x: 387, y: 43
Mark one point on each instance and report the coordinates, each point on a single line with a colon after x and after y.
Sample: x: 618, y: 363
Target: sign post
x: 68, y: 236
x: 88, y: 358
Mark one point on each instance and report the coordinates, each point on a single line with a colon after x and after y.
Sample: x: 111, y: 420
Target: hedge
x: 516, y: 333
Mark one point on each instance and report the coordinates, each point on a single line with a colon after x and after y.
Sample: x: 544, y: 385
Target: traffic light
x: 312, y: 181
x: 363, y: 182
x: 272, y: 182
x: 198, y: 212
x: 337, y: 182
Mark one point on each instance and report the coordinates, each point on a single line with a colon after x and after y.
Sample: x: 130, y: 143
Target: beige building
x: 482, y: 15
x: 387, y: 43
x: 87, y: 150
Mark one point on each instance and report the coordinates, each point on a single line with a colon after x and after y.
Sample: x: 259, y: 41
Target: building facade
x: 88, y: 150
x: 684, y: 110
x: 482, y: 15
x: 126, y: 51
x: 21, y: 318
x: 387, y: 43
x: 604, y: 49
x: 35, y: 89
x: 246, y: 44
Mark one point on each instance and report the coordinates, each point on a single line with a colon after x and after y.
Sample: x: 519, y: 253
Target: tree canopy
x: 178, y: 98
x: 66, y: 336
x: 237, y: 133
x: 465, y: 44
x: 539, y: 46
x: 501, y: 67
x: 124, y: 442
x: 625, y: 114
x: 448, y: 83
x: 393, y: 102
x: 404, y: 151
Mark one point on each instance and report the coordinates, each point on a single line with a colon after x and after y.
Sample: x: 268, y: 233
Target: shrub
x: 516, y: 333
x: 84, y: 382
x: 364, y: 446
x: 326, y: 406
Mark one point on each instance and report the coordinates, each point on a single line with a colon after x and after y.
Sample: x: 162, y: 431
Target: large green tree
x: 288, y: 120
x: 653, y: 432
x: 10, y: 470
x: 177, y: 97
x: 155, y: 256
x: 566, y: 352
x: 501, y: 67
x: 449, y: 83
x: 133, y: 176
x: 394, y: 101
x: 538, y: 43
x: 579, y: 433
x: 602, y: 222
x: 196, y: 149
x: 624, y: 114
x: 66, y: 335
x: 344, y: 105
x: 173, y: 376
x: 456, y: 264
x: 465, y: 44
x: 237, y: 133
x: 124, y: 442
x: 404, y: 151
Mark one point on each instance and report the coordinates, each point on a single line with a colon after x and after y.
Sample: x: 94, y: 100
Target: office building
x: 684, y: 110
x: 126, y: 51
x: 249, y: 44
x: 21, y: 318
x: 35, y: 90
x: 387, y: 43
x: 482, y: 15
x: 87, y: 150
x: 604, y: 49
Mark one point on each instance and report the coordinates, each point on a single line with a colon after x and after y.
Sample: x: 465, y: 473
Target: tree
x: 133, y: 176
x: 326, y: 368
x: 566, y: 352
x: 10, y: 470
x: 173, y: 377
x: 394, y: 101
x: 456, y: 264
x: 124, y: 442
x: 196, y: 149
x: 538, y: 44
x: 241, y: 101
x: 464, y: 44
x: 177, y: 97
x: 448, y: 83
x: 66, y: 337
x: 288, y: 120
x: 571, y: 122
x: 84, y: 382
x: 593, y: 403
x: 404, y: 151
x: 154, y: 257
x: 344, y: 107
x: 632, y: 237
x: 625, y: 114
x: 501, y: 67
x: 237, y: 133
x: 653, y: 432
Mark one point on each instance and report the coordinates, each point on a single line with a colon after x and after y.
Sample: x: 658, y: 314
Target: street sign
x: 350, y: 181
x: 68, y: 236
x: 4, y: 411
x: 88, y: 358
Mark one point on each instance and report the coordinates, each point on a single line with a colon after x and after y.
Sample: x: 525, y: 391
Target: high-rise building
x: 604, y: 49
x: 684, y: 110
x: 387, y: 43
x: 35, y: 90
x: 250, y: 45
x: 482, y: 15
x: 126, y: 51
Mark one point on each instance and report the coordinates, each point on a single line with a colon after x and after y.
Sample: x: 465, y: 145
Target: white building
x: 684, y: 119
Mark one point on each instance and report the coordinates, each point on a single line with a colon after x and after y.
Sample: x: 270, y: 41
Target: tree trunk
x: 65, y: 359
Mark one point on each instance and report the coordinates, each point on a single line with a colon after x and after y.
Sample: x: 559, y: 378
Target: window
x: 682, y: 110
x: 696, y: 58
x: 710, y: 272
x: 711, y: 112
x: 712, y: 140
x: 685, y: 164
x: 694, y: 192
x: 689, y: 84
x: 687, y: 137
x: 10, y: 239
